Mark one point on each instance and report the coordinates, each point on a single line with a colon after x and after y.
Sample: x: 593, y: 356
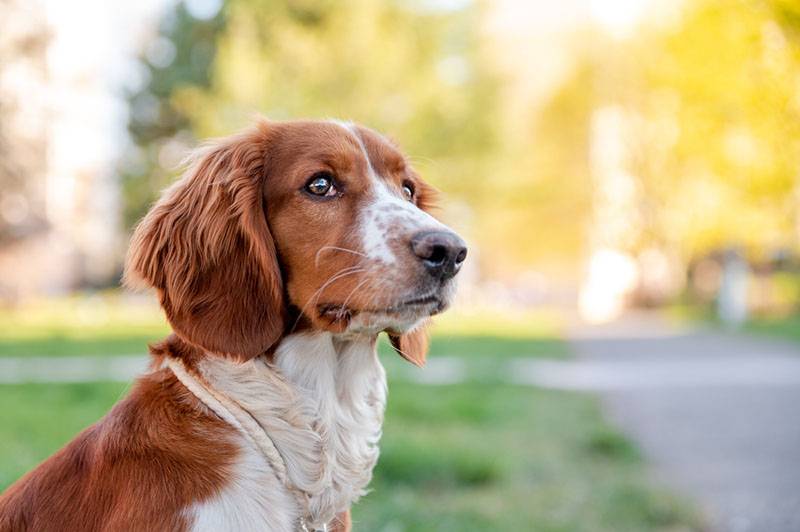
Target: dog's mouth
x: 432, y: 301
x: 417, y: 301
x: 410, y: 309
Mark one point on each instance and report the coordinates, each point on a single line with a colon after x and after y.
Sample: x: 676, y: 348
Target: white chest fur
x: 322, y: 405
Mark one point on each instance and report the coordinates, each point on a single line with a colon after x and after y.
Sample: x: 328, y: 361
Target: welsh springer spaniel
x: 278, y: 258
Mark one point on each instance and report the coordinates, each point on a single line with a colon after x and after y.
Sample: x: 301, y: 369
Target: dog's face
x: 316, y: 224
x: 358, y: 251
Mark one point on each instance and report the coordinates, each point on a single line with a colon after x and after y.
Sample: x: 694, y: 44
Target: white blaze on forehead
x: 386, y: 215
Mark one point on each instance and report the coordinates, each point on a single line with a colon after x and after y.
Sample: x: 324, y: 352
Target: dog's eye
x: 321, y: 184
x: 408, y: 191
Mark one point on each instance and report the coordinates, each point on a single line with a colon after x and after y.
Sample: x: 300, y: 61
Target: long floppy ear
x: 205, y: 246
x: 413, y: 345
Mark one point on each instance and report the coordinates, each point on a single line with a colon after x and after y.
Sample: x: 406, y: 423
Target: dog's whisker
x: 334, y: 248
x: 352, y: 292
x: 315, y: 297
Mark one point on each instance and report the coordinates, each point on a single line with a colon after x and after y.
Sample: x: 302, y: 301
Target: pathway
x: 717, y: 414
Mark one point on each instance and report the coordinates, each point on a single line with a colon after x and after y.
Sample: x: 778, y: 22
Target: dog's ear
x: 413, y: 345
x: 206, y: 247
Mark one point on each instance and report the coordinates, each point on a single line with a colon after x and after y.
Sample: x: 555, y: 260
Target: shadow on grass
x: 427, y: 467
x: 37, y: 419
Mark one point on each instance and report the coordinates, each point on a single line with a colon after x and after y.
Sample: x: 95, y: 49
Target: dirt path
x: 717, y: 414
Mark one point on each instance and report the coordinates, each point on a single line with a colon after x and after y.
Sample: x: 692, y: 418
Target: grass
x: 109, y: 324
x: 787, y: 327
x: 99, y: 325
x: 480, y: 455
x: 784, y: 325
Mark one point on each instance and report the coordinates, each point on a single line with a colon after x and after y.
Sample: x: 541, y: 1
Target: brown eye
x: 321, y: 184
x: 408, y: 191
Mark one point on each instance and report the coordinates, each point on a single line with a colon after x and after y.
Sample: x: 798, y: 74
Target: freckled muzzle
x: 417, y: 253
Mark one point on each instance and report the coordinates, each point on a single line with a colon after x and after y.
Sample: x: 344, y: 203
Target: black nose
x: 442, y: 252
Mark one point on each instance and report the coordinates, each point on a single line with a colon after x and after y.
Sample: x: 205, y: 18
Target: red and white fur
x: 276, y: 286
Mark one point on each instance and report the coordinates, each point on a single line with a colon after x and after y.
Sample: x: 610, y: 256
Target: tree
x: 23, y: 57
x: 411, y: 71
x: 180, y: 56
x: 712, y: 125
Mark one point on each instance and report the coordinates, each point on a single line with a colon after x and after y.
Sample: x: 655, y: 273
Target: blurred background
x: 623, y: 355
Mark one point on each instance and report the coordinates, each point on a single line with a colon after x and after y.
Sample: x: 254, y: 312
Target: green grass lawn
x: 481, y: 455
x: 107, y: 325
x: 781, y: 327
x: 87, y: 326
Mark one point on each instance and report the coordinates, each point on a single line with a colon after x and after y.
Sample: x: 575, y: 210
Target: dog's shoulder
x: 155, y: 453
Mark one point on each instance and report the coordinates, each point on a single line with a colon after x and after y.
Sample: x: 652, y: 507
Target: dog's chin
x: 399, y: 317
x: 395, y: 321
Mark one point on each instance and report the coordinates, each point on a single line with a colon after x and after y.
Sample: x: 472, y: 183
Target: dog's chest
x: 322, y: 405
x: 345, y: 384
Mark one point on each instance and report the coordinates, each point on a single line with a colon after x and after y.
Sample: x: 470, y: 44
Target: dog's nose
x: 442, y: 252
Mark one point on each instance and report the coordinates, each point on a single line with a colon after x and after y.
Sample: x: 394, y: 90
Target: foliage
x: 709, y: 105
x: 731, y: 176
x: 24, y: 41
x: 711, y: 132
x: 409, y: 69
x: 179, y: 56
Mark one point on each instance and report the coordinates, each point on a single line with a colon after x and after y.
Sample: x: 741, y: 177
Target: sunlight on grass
x: 490, y: 321
x: 117, y: 323
x: 108, y: 323
x: 117, y: 312
x: 108, y: 313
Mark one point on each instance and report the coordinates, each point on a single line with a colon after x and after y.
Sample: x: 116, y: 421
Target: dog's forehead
x: 385, y: 157
x: 313, y: 138
x: 336, y: 137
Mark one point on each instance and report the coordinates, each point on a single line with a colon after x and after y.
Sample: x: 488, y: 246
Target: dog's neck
x: 321, y: 402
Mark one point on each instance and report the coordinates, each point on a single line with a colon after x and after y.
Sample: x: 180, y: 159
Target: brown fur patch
x: 157, y: 451
x: 412, y: 346
x: 206, y: 248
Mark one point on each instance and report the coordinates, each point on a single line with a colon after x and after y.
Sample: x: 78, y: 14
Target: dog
x: 278, y: 258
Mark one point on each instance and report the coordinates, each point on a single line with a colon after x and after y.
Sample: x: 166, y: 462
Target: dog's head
x: 309, y: 224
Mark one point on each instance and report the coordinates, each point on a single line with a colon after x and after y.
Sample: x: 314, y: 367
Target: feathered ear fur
x: 413, y: 345
x: 205, y: 246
